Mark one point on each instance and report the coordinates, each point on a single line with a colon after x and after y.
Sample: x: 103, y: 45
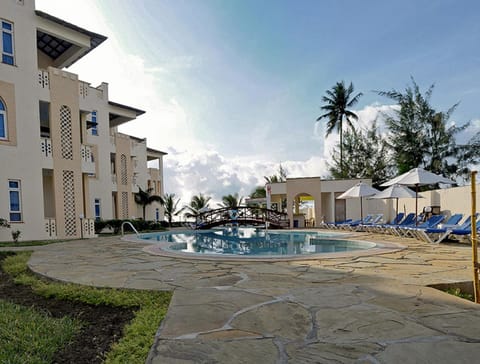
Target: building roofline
x: 151, y: 150
x: 137, y: 111
x: 95, y: 38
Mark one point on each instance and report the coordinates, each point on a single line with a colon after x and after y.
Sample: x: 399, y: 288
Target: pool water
x: 254, y: 242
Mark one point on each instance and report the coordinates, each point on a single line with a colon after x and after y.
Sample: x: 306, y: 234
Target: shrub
x: 99, y: 226
x: 138, y: 224
x: 4, y: 223
x: 15, y: 235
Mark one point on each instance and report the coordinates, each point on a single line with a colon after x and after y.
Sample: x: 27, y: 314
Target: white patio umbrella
x: 359, y: 190
x: 395, y: 191
x: 418, y: 177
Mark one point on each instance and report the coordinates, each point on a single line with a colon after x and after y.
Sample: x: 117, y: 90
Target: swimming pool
x: 253, y: 242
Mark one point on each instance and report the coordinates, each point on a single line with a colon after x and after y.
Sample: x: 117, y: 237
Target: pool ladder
x: 131, y: 225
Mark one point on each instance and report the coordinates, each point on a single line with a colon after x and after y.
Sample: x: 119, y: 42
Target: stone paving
x: 359, y: 309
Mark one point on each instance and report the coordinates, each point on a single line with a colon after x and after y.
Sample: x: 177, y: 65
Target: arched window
x: 3, y: 120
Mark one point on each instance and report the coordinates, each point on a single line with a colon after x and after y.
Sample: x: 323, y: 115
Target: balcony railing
x: 51, y: 228
x: 88, y: 228
x: 46, y: 147
x: 43, y: 79
x: 88, y: 161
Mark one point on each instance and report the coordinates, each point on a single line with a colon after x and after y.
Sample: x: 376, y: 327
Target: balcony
x: 43, y: 79
x: 88, y: 161
x: 51, y: 228
x: 88, y: 228
x: 46, y: 147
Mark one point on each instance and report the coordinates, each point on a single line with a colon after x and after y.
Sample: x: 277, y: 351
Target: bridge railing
x: 242, y: 215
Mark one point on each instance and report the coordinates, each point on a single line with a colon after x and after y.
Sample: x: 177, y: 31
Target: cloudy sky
x: 232, y: 88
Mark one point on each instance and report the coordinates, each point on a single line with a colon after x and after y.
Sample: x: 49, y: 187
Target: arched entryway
x: 303, y: 211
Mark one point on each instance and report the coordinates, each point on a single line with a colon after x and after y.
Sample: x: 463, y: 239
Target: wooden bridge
x: 242, y: 215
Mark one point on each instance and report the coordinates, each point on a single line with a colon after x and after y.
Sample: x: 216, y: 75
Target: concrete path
x: 369, y: 309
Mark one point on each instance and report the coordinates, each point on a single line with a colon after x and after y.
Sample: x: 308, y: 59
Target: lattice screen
x: 125, y: 205
x: 69, y: 203
x: 66, y: 132
x: 123, y: 170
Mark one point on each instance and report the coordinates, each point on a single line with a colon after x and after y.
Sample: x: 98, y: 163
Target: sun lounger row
x: 434, y: 230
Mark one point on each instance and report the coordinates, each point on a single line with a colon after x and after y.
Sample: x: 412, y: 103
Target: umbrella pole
x: 361, y: 210
x: 416, y: 204
x: 396, y: 214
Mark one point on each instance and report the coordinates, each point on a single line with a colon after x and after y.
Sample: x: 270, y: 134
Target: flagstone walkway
x: 368, y: 309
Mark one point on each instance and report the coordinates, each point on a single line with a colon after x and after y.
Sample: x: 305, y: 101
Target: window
x: 98, y: 213
x: 15, y: 200
x: 94, y: 123
x: 157, y: 214
x: 44, y: 109
x: 3, y: 121
x: 7, y: 42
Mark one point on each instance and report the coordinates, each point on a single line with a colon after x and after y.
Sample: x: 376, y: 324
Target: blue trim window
x: 94, y: 123
x: 3, y: 121
x: 14, y: 191
x: 98, y: 209
x: 7, y: 43
x: 157, y: 214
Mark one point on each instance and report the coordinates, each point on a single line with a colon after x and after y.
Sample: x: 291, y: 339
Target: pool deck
x: 362, y: 309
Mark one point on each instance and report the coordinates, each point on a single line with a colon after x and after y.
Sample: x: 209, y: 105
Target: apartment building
x: 63, y: 162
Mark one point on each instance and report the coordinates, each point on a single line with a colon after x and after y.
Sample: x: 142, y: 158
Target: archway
x: 304, y: 211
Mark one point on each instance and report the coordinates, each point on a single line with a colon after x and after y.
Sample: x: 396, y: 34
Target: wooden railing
x: 243, y: 215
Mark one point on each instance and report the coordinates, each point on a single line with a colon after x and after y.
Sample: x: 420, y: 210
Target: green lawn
x: 138, y: 336
x: 29, y: 243
x: 28, y: 336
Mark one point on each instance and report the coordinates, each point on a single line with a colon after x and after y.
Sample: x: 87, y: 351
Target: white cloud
x: 210, y: 173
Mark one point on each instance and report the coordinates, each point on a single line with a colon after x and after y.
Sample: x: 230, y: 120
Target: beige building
x: 63, y: 162
x: 309, y: 201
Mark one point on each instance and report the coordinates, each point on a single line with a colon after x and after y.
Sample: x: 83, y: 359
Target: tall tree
x: 337, y: 101
x: 231, y: 201
x: 258, y: 192
x: 145, y: 198
x: 197, y: 203
x: 281, y: 176
x: 419, y: 136
x: 366, y: 155
x: 171, y: 207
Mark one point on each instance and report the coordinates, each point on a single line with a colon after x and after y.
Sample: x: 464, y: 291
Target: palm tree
x: 197, y: 203
x: 277, y: 178
x: 171, y: 207
x: 259, y: 192
x: 145, y: 198
x: 231, y: 201
x: 337, y: 101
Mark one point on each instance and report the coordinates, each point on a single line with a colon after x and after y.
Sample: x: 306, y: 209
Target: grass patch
x: 28, y: 336
x: 138, y: 336
x: 459, y: 293
x: 29, y: 243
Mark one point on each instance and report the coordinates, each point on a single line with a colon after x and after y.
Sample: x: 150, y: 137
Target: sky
x: 232, y: 88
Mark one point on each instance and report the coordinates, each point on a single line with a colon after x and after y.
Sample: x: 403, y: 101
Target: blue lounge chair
x: 355, y: 223
x: 379, y: 228
x: 437, y: 235
x: 373, y: 225
x: 407, y: 221
x: 413, y: 231
x: 335, y: 225
x: 464, y: 233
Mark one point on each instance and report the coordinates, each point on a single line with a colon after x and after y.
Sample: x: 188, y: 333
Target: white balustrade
x: 43, y: 79
x: 51, y: 228
x: 88, y: 161
x: 46, y: 147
